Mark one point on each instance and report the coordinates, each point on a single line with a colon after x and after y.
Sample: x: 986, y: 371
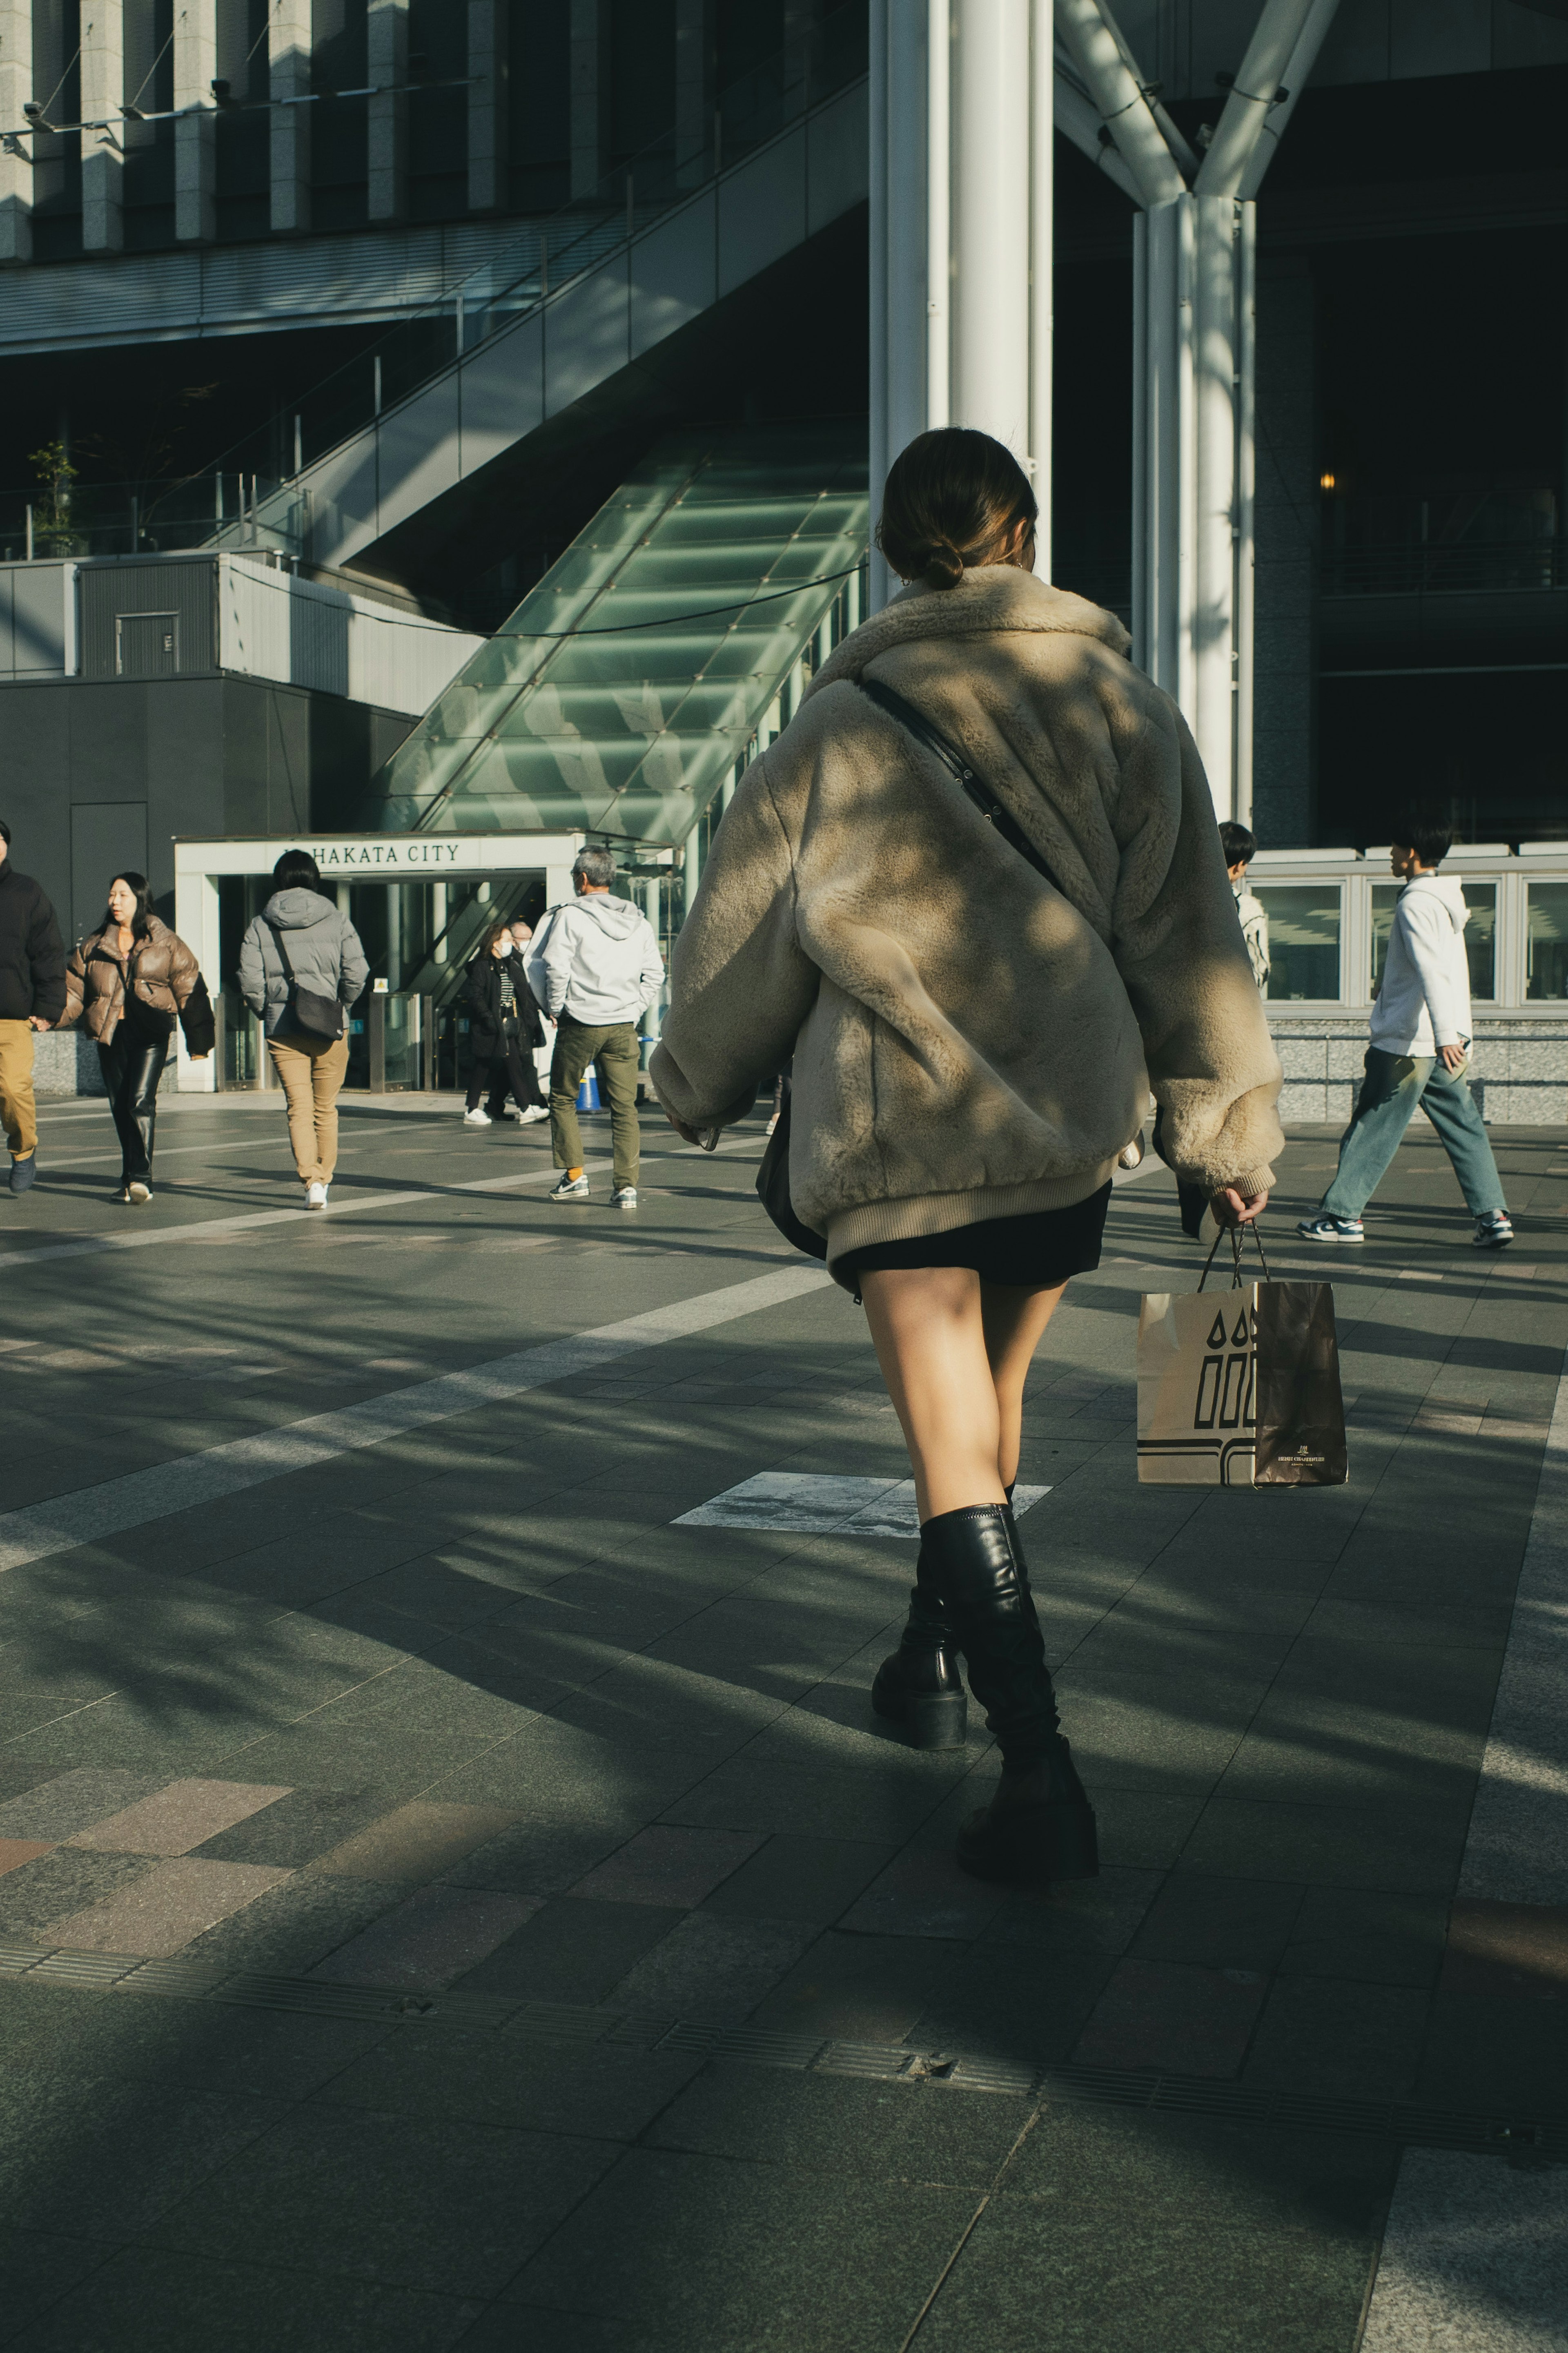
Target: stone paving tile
x: 143, y: 2297
x: 415, y: 1843
x: 60, y: 1882
x: 428, y: 1940
x: 428, y: 2202
x: 808, y: 1879
x: 1475, y: 2254
x: 707, y: 2255
x: 1415, y: 1852
x: 543, y: 1856
x: 159, y: 1912
x: 573, y: 1951
x: 669, y: 1865
x: 832, y: 2124
x: 923, y: 1893
x: 177, y: 1819
x: 303, y: 1920
x: 603, y: 2093
x: 859, y: 1988
x: 1082, y: 1916
x: 64, y: 1803
x: 1219, y: 1923
x: 1501, y: 1949
x: 16, y: 1852
x: 1011, y: 2003
x: 1170, y: 2014
x: 298, y: 1828
x: 712, y: 1968
x: 101, y: 2160
x: 1357, y: 2041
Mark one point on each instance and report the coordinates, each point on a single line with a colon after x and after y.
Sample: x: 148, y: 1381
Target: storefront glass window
x: 1303, y: 940
x: 1546, y: 968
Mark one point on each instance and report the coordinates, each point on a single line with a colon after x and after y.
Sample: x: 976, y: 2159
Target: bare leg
x: 955, y: 1354
x: 1015, y: 1323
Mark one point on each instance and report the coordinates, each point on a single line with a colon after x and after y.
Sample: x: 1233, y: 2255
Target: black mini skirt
x: 1034, y: 1253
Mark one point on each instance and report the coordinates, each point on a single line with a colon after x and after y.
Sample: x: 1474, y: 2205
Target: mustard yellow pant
x: 310, y: 1072
x: 17, y: 1113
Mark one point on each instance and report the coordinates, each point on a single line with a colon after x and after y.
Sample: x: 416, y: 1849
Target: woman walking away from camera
x: 504, y: 1030
x: 132, y: 981
x: 978, y: 994
x: 301, y: 966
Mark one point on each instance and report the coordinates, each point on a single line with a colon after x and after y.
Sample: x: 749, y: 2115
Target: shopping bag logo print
x: 1227, y: 1382
x: 1242, y: 1390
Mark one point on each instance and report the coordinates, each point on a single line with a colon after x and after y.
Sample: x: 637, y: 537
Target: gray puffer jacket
x: 322, y: 945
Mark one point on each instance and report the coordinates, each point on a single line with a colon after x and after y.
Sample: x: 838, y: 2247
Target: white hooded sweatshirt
x: 595, y: 958
x: 1425, y: 999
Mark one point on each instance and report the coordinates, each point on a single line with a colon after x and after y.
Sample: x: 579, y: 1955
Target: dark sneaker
x: 1494, y: 1230
x: 625, y: 1197
x: 569, y: 1188
x: 24, y: 1173
x: 1327, y: 1228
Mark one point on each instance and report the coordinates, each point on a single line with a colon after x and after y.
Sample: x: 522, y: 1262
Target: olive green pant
x: 613, y: 1051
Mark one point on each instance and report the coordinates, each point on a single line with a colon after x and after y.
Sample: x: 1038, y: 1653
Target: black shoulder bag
x: 307, y: 1014
x: 773, y: 1177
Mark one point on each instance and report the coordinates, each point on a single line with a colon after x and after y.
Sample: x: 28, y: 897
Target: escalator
x: 634, y: 680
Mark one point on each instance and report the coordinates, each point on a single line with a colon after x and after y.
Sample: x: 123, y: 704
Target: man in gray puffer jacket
x: 319, y: 953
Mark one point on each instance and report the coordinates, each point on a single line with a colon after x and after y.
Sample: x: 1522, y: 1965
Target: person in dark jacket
x: 301, y: 943
x: 32, y: 998
x: 504, y: 1028
x: 133, y: 980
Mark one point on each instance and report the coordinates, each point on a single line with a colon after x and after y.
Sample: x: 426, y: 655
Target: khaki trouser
x: 16, y: 1109
x: 310, y: 1071
x: 613, y: 1048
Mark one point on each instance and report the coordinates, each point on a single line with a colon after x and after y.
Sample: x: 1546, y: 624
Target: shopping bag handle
x: 1235, y: 1232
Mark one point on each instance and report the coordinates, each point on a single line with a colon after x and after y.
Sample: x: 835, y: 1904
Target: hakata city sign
x: 367, y: 856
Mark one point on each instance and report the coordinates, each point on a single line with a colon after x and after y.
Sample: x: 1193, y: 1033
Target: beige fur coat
x: 970, y: 1042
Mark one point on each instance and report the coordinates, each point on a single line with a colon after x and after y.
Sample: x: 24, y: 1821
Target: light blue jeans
x: 1394, y: 1085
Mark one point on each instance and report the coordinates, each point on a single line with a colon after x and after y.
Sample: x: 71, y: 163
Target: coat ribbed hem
x: 939, y: 1213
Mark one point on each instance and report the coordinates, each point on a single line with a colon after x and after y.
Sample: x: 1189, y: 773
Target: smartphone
x: 708, y: 1139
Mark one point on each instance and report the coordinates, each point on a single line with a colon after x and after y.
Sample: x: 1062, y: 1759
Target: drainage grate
x: 1538, y: 2138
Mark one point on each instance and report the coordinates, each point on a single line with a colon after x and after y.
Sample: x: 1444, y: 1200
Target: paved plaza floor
x: 453, y: 1891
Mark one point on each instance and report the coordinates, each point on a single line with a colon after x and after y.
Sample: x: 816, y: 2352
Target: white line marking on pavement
x: 90, y: 1514
x: 1517, y: 1851
x: 814, y: 1502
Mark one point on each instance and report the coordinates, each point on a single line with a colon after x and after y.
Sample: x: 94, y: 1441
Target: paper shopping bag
x: 1240, y: 1388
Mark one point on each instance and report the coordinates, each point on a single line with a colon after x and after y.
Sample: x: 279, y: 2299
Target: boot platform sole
x: 931, y: 1719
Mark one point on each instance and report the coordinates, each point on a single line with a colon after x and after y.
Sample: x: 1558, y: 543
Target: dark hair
x: 142, y: 889
x: 951, y: 499
x: 493, y: 932
x: 597, y: 867
x: 296, y: 870
x: 1426, y: 836
x: 4, y: 833
x: 1238, y: 843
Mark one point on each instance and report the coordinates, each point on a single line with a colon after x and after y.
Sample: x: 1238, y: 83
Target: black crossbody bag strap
x: 918, y: 725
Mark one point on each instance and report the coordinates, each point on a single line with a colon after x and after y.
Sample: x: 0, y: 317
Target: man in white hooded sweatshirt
x: 594, y: 966
x: 1419, y: 1052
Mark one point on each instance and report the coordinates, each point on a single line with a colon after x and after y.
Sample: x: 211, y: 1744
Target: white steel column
x: 102, y: 101
x: 1042, y: 268
x: 876, y: 453
x: 1246, y: 506
x: 17, y: 165
x: 1213, y: 615
x: 488, y: 23
x: 989, y: 366
x: 386, y: 113
x: 288, y: 77
x: 195, y: 63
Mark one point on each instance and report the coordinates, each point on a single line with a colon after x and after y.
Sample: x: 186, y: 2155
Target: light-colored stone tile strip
x: 90, y: 1515
x: 1475, y: 2253
x: 182, y: 1816
x: 1517, y: 1851
x: 1475, y: 2259
x: 161, y: 1911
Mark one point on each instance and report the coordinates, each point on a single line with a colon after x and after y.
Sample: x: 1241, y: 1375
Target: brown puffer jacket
x: 164, y: 974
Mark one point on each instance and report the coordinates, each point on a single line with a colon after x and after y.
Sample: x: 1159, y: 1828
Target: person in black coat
x: 504, y: 1028
x: 32, y: 998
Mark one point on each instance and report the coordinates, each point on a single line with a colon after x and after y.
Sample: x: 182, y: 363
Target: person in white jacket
x: 595, y: 965
x: 1419, y: 1053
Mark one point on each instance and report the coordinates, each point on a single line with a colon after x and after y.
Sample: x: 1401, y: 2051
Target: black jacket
x: 32, y: 952
x: 482, y: 991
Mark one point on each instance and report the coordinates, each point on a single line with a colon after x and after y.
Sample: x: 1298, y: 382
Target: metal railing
x: 1460, y: 567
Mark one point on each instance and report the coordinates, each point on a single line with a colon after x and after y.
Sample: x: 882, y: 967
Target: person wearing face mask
x: 504, y: 1030
x: 131, y: 981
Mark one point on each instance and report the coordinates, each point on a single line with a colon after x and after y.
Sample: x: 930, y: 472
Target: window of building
x: 1546, y: 941
x: 641, y: 109
x: 1303, y: 940
x: 1480, y: 933
x: 438, y: 118
x: 339, y: 127
x: 539, y: 105
x: 243, y: 155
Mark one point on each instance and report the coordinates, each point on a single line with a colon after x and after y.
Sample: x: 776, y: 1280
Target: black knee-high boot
x: 920, y: 1686
x: 973, y: 1559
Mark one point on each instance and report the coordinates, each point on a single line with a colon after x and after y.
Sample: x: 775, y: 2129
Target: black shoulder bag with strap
x: 773, y: 1177
x: 306, y: 1014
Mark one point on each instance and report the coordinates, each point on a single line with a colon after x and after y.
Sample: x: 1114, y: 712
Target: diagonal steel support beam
x: 1262, y: 70
x: 1097, y: 52
x: 1298, y: 72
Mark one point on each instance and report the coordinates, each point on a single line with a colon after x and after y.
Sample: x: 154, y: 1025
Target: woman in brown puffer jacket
x: 131, y: 981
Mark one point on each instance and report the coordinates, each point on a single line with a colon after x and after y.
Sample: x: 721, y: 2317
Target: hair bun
x: 942, y: 563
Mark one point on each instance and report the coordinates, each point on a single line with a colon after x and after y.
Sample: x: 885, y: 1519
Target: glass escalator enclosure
x: 622, y: 692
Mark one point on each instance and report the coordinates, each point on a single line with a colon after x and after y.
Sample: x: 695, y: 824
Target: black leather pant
x: 973, y: 1569
x: 131, y: 1069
